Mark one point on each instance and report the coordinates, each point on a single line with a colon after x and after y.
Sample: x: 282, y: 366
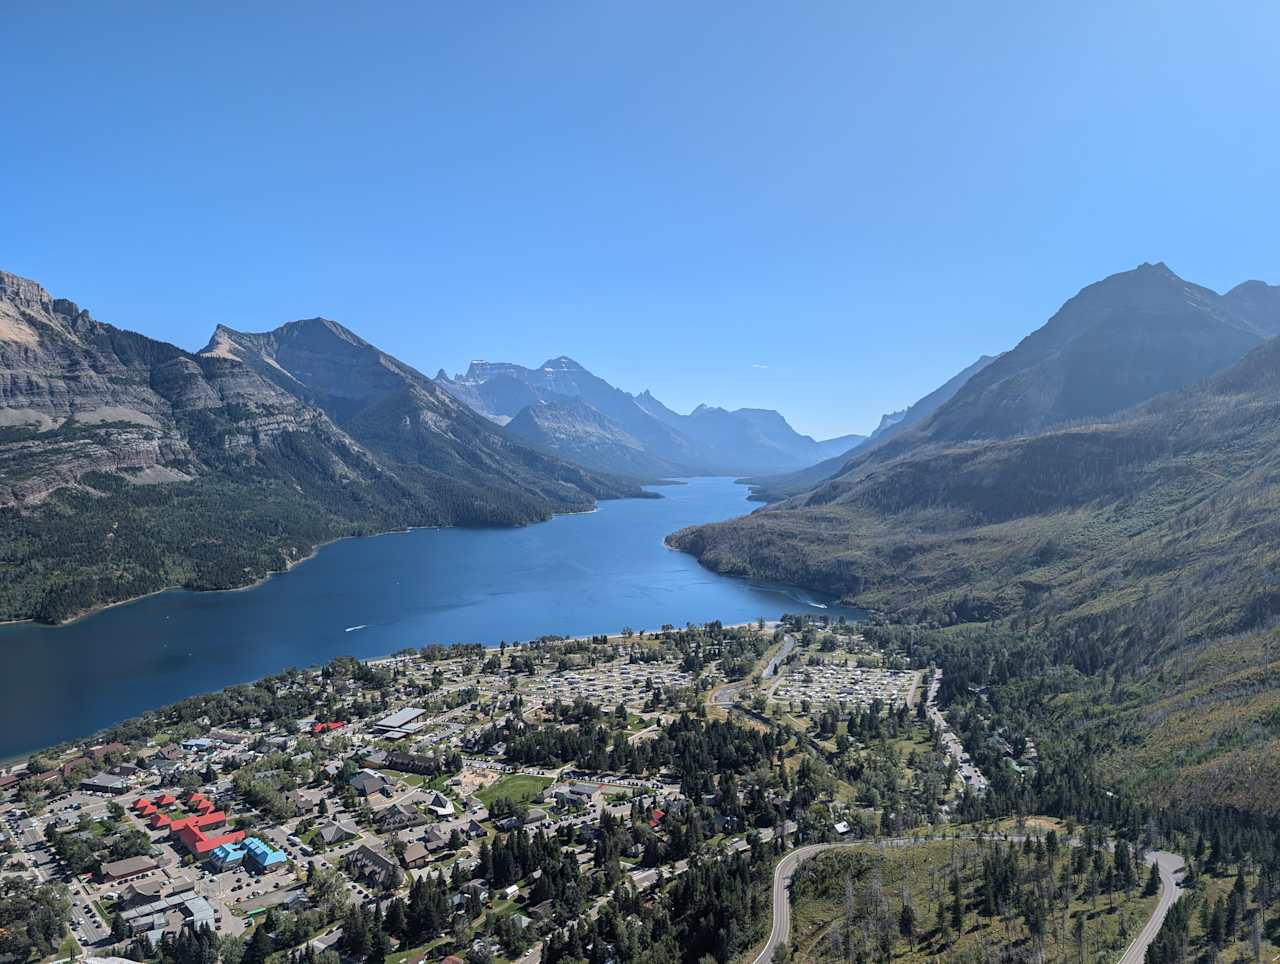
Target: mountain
x: 1142, y: 545
x: 840, y: 445
x: 894, y: 422
x: 1259, y: 302
x: 773, y: 488
x: 128, y: 464
x: 708, y: 441
x: 1161, y: 333
x: 575, y: 431
x: 1116, y: 343
x: 500, y: 391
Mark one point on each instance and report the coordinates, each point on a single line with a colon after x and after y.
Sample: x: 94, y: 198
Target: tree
x: 1153, y: 883
x: 957, y: 904
x: 260, y: 946
x: 907, y: 924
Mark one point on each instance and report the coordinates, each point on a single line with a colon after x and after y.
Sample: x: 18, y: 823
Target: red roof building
x: 144, y: 807
x: 657, y: 817
x: 318, y: 728
x: 159, y: 821
x: 201, y: 822
x: 166, y: 800
x: 200, y: 803
x: 200, y: 843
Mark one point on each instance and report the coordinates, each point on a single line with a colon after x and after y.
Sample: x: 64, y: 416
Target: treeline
x: 714, y: 911
x: 695, y: 750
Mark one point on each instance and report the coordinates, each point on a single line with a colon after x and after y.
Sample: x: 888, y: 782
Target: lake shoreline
x: 7, y: 762
x: 365, y: 596
x: 291, y: 564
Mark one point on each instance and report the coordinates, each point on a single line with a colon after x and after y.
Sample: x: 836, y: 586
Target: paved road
x: 788, y: 644
x: 1168, y: 864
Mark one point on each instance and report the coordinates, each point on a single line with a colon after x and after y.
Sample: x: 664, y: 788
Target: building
x: 105, y: 783
x: 372, y: 864
x: 305, y: 801
x: 195, y: 833
x: 419, y: 763
x: 401, y: 723
x: 416, y: 855
x: 168, y: 915
x: 262, y: 855
x: 114, y: 871
x: 440, y: 805
x: 398, y: 816
x: 336, y: 831
x: 227, y: 855
x: 369, y: 782
x: 101, y: 752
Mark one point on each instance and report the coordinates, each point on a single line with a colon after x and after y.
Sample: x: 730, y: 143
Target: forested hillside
x: 1143, y: 547
x: 128, y: 465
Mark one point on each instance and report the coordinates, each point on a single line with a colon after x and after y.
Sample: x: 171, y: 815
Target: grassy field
x: 516, y: 787
x: 848, y: 881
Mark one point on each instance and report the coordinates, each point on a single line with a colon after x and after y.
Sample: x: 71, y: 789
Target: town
x: 471, y: 803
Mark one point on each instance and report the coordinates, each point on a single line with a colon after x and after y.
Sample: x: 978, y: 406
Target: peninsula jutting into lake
x: 594, y: 572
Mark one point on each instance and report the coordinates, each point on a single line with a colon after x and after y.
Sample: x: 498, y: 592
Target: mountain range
x: 561, y: 408
x: 128, y: 464
x: 771, y: 488
x: 1114, y: 476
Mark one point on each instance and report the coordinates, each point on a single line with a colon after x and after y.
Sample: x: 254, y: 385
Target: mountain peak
x: 563, y: 363
x: 312, y: 327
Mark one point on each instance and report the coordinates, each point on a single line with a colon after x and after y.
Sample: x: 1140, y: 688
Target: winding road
x: 1169, y: 866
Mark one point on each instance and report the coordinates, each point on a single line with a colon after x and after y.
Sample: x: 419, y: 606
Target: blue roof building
x: 227, y: 855
x: 262, y: 855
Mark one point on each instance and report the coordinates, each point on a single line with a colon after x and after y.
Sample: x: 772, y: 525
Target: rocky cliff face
x: 80, y: 396
x: 128, y: 464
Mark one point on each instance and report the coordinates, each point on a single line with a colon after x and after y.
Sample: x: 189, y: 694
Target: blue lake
x: 595, y: 572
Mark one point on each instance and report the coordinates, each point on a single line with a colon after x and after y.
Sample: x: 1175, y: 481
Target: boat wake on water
x: 352, y: 629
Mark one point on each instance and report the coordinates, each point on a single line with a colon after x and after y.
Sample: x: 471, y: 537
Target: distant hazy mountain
x: 128, y: 464
x: 895, y: 422
x: 639, y: 432
x: 772, y: 488
x: 579, y: 433
x: 1259, y: 302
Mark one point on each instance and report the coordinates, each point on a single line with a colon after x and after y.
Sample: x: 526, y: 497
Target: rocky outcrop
x: 78, y: 396
x: 128, y: 465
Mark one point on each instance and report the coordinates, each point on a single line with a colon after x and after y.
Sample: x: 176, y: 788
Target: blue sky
x: 824, y: 208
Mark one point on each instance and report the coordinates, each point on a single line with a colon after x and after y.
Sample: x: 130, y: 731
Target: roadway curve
x: 1168, y: 864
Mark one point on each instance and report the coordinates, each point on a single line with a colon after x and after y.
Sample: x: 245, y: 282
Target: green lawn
x: 517, y: 787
